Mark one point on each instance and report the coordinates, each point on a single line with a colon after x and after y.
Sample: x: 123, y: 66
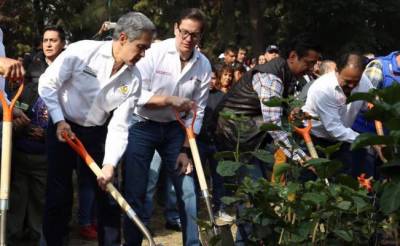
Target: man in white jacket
x: 175, y: 76
x: 90, y: 85
x: 326, y: 100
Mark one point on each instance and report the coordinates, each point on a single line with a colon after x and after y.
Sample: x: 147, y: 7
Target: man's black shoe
x: 173, y: 226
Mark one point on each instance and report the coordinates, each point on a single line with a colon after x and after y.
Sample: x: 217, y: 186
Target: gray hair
x: 133, y: 24
x: 327, y: 66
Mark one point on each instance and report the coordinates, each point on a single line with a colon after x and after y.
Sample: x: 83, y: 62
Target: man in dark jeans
x: 29, y: 162
x: 175, y: 77
x: 90, y: 84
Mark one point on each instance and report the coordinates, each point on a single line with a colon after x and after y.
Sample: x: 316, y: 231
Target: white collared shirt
x: 162, y: 75
x: 77, y: 86
x: 327, y: 101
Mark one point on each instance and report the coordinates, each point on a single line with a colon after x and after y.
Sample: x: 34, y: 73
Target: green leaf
x: 390, y: 94
x: 304, y: 229
x: 270, y: 127
x: 227, y: 114
x: 347, y: 180
x: 367, y: 139
x: 325, y: 168
x: 363, y: 96
x: 316, y: 198
x: 293, y: 187
x: 228, y: 168
x: 224, y: 155
x: 345, y: 235
x: 274, y: 102
x: 229, y: 200
x: 396, y: 109
x: 317, y: 162
x: 280, y: 170
x: 264, y: 156
x: 344, y: 205
x: 390, y: 199
x: 395, y: 134
x: 328, y: 151
x: 360, y: 203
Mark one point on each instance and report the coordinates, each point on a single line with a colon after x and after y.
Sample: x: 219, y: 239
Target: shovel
x: 6, y: 147
x: 305, y: 134
x: 77, y: 145
x: 223, y: 229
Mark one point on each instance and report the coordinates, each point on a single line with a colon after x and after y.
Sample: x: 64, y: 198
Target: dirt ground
x: 162, y: 235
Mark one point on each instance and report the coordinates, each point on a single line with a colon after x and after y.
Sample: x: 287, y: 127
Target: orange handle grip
x: 189, y: 130
x: 8, y: 109
x: 305, y: 132
x: 77, y: 145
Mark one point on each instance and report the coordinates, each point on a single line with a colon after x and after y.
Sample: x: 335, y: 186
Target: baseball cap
x: 272, y: 47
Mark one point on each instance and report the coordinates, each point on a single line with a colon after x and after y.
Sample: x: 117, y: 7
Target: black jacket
x: 242, y: 99
x: 35, y: 69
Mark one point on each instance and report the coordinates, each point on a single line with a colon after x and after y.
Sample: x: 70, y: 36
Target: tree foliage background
x: 366, y: 25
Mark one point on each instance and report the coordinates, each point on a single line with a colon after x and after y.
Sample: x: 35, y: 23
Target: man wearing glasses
x: 175, y: 77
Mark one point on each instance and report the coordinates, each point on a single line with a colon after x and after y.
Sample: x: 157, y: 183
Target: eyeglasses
x: 196, y: 36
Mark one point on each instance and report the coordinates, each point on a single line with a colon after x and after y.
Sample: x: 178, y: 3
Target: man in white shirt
x: 89, y: 84
x: 175, y: 76
x: 326, y: 100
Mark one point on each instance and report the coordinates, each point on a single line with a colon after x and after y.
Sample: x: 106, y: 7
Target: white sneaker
x: 222, y: 217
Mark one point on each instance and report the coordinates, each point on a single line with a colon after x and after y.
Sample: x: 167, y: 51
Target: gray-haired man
x: 81, y: 88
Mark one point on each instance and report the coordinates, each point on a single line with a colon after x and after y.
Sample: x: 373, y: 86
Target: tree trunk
x: 257, y: 30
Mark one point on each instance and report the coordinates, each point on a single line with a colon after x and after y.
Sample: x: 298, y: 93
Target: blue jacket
x: 391, y: 74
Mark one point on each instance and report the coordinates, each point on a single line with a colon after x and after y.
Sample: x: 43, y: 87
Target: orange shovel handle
x: 189, y: 130
x: 8, y: 109
x: 77, y: 145
x: 305, y: 131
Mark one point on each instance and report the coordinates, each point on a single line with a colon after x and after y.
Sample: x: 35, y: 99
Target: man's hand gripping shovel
x: 77, y: 145
x: 225, y: 235
x: 6, y: 148
x: 305, y: 134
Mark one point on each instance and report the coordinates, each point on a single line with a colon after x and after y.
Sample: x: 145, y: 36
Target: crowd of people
x: 119, y: 97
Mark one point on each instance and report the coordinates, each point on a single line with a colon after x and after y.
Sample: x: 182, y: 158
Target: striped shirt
x: 374, y: 72
x: 268, y: 86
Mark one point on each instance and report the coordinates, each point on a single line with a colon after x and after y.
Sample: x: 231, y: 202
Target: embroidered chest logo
x: 124, y: 89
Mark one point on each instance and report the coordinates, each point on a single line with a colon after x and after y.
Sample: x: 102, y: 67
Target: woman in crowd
x: 225, y: 78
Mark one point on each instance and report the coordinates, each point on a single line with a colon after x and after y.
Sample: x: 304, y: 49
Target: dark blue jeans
x: 62, y: 160
x: 167, y: 138
x: 207, y: 152
x: 171, y: 213
x: 87, y: 198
